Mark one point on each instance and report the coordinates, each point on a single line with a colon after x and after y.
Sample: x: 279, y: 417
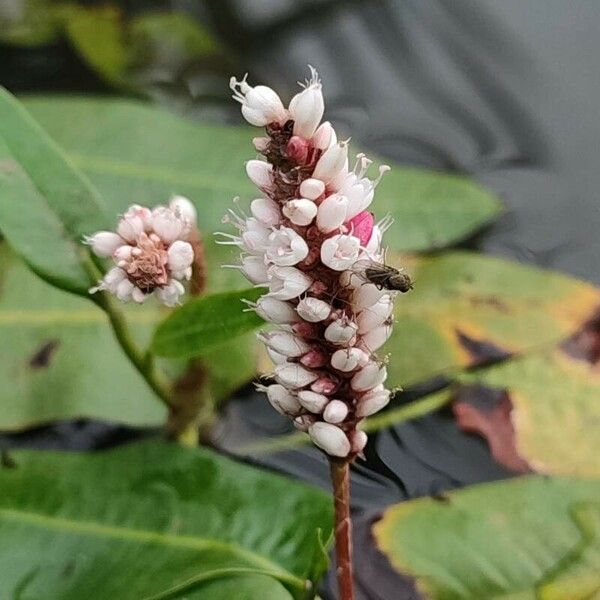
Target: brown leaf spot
x: 585, y: 343
x: 482, y: 352
x: 43, y: 355
x: 487, y: 412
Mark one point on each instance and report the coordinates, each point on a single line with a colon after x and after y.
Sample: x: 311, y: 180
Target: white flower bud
x: 260, y: 143
x: 313, y: 402
x: 365, y: 295
x: 306, y: 108
x: 166, y: 224
x: 285, y: 247
x: 170, y: 294
x: 255, y: 236
x: 254, y: 269
x: 324, y: 136
x: 286, y: 283
x: 374, y: 339
x: 372, y: 402
x: 340, y: 252
x: 105, y: 243
x: 282, y: 401
x: 184, y: 208
x: 300, y: 211
x: 144, y: 213
x: 372, y: 317
x: 348, y: 359
x: 266, y: 211
x: 276, y: 358
x: 123, y: 290
x: 110, y: 281
x: 330, y: 438
x: 332, y: 213
x: 275, y: 311
x: 368, y: 377
x: 123, y: 255
x: 129, y: 228
x: 331, y: 163
x: 359, y: 440
x: 284, y: 343
x: 260, y: 173
x: 335, y: 412
x: 260, y: 104
x: 338, y: 181
x: 181, y: 256
x: 340, y: 332
x: 313, y: 310
x: 138, y: 296
x: 312, y: 188
x: 294, y: 376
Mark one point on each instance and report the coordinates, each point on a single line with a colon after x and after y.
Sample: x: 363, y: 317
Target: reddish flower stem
x: 340, y: 479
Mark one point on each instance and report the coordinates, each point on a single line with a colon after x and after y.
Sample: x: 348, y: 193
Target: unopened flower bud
x: 368, y: 377
x: 254, y: 269
x: 166, y: 224
x: 313, y: 310
x: 129, y: 228
x: 184, y: 208
x: 366, y: 294
x: 361, y: 226
x: 372, y: 402
x: 340, y: 252
x: 312, y: 188
x: 324, y: 136
x: 261, y: 144
x: 300, y: 211
x: 123, y: 290
x: 324, y: 385
x: 330, y: 438
x: 286, y: 283
x: 266, y: 211
x: 105, y: 243
x: 315, y: 358
x: 181, y: 257
x: 294, y: 375
x: 306, y: 108
x: 260, y: 104
x: 276, y: 358
x: 313, y: 402
x: 374, y: 339
x: 335, y: 412
x: 282, y: 401
x: 284, y: 343
x: 297, y: 149
x: 358, y: 441
x: 171, y: 293
x: 260, y: 173
x: 306, y: 330
x: 348, y: 359
x: 372, y: 317
x: 331, y: 163
x: 332, y: 213
x: 341, y: 332
x: 275, y: 311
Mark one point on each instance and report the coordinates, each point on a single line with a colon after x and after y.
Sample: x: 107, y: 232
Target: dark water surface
x: 507, y: 92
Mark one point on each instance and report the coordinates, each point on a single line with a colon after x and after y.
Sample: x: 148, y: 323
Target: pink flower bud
x: 313, y: 310
x: 123, y: 255
x: 312, y: 188
x: 306, y: 108
x: 306, y: 330
x: 324, y: 385
x: 297, y: 149
x: 368, y: 377
x: 330, y: 438
x: 275, y: 311
x: 266, y: 211
x: 285, y: 247
x: 324, y: 136
x: 284, y: 343
x: 300, y: 211
x: 340, y: 252
x: 282, y: 401
x: 170, y: 294
x: 348, y: 359
x: 261, y: 144
x: 332, y: 213
x: 335, y: 412
x: 181, y: 256
x: 166, y: 224
x: 260, y: 173
x: 358, y: 441
x: 315, y: 358
x: 129, y: 228
x: 105, y: 243
x: 286, y: 283
x: 374, y: 339
x: 331, y: 163
x: 372, y: 317
x: 184, y: 209
x: 260, y: 104
x: 341, y: 332
x: 254, y: 269
x: 361, y: 226
x: 294, y: 376
x: 313, y: 402
x: 372, y: 402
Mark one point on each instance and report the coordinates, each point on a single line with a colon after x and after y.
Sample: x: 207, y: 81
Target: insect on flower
x: 388, y: 278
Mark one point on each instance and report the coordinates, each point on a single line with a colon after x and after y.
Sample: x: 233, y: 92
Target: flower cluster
x: 151, y: 252
x: 308, y: 241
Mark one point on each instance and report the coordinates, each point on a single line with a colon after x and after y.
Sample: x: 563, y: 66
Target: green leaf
x: 62, y: 361
x: 467, y: 309
x: 136, y: 152
x: 508, y: 539
x: 150, y: 519
x: 46, y: 206
x: 204, y: 323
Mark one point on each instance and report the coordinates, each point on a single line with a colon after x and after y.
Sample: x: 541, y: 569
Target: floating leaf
x: 138, y: 153
x: 154, y: 520
x: 204, y: 323
x: 515, y: 539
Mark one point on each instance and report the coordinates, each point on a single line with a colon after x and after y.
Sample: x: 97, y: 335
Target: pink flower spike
x: 361, y: 226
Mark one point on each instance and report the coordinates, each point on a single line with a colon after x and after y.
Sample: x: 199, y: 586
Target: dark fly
x: 388, y: 278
